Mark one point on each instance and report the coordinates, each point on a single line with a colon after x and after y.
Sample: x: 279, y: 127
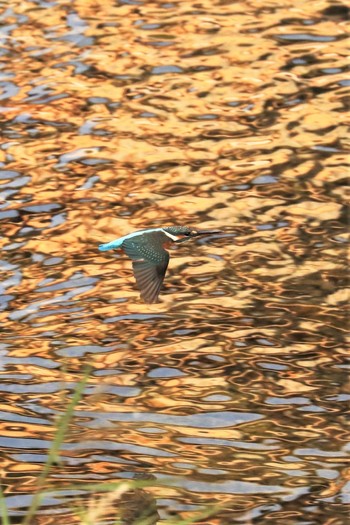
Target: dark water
x: 233, y: 391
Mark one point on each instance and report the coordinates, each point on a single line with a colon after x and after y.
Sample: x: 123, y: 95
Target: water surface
x: 123, y: 115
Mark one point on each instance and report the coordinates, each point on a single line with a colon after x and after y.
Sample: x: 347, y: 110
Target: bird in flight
x: 146, y: 249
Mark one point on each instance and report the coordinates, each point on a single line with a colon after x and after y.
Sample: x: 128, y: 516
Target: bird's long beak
x: 205, y: 232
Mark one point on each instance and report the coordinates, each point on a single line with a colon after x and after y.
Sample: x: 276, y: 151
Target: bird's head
x: 186, y: 232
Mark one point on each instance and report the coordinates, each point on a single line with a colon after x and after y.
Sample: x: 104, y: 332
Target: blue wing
x: 149, y: 264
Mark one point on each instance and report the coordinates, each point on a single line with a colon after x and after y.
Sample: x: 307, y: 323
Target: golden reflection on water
x: 134, y: 114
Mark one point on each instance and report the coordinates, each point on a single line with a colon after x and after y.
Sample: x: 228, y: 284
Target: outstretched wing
x: 149, y: 262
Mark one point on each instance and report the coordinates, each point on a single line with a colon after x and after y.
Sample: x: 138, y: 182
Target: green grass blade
x: 53, y: 457
x: 5, y: 520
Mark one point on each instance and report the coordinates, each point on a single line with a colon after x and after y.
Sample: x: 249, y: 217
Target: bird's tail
x: 110, y: 245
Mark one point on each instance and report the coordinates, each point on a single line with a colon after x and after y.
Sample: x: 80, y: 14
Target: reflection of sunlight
x: 229, y: 117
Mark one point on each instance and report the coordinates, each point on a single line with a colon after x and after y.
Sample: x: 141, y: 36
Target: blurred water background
x: 122, y: 115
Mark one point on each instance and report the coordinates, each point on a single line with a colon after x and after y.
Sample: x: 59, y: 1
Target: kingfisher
x: 150, y: 259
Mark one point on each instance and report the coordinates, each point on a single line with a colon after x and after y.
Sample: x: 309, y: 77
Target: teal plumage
x: 149, y: 258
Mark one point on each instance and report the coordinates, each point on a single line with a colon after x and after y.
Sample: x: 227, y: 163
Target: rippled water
x: 122, y: 115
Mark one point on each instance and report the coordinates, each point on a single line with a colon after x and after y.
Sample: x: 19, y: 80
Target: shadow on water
x: 231, y: 393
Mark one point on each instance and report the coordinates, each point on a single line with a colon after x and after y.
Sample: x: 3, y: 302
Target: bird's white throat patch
x: 172, y: 237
